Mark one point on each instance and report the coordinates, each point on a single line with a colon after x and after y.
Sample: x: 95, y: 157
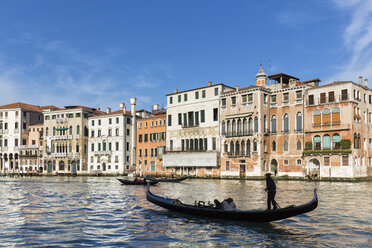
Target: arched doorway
x: 314, y: 168
x: 61, y: 165
x: 50, y: 167
x: 104, y: 166
x: 274, y: 167
x: 73, y: 167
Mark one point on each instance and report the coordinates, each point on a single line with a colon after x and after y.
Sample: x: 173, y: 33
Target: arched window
x: 244, y: 152
x: 237, y: 147
x: 256, y: 124
x: 254, y: 145
x: 250, y: 125
x: 70, y: 130
x: 317, y: 142
x: 228, y: 128
x: 234, y: 127
x: 232, y: 147
x: 299, y: 145
x: 317, y: 118
x: 273, y: 124
x: 239, y: 128
x: 248, y: 147
x: 326, y: 142
x: 336, y: 138
x: 77, y: 148
x: 299, y: 122
x: 54, y: 131
x: 70, y: 148
x: 265, y: 124
x: 104, y: 145
x: 286, y: 123
x: 47, y: 131
x: 336, y: 115
x: 285, y: 146
x: 226, y: 147
x: 223, y: 130
x: 326, y: 116
x: 359, y: 142
x: 264, y: 146
x: 77, y: 130
x: 245, y: 126
x: 355, y: 141
x: 110, y: 132
x: 273, y: 146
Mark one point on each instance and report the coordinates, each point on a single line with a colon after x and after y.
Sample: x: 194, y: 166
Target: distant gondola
x: 236, y: 215
x: 137, y: 182
x: 170, y: 180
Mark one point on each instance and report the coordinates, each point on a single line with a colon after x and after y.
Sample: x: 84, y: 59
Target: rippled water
x: 71, y: 212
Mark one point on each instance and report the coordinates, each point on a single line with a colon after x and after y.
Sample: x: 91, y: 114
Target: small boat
x: 170, y: 180
x: 236, y: 214
x: 136, y: 182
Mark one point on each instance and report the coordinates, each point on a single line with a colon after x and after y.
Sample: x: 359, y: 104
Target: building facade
x: 15, y: 120
x: 110, y: 141
x: 151, y: 136
x: 66, y: 131
x: 193, y: 131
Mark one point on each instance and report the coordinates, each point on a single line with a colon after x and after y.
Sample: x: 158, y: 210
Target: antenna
x: 269, y: 71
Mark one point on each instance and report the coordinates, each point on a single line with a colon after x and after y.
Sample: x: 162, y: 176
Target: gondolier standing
x: 271, y: 191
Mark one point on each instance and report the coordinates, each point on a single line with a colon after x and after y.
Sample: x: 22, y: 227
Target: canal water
x: 100, y: 212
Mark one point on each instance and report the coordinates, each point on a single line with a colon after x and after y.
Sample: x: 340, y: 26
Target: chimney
x: 122, y: 107
x: 366, y: 82
x: 209, y: 83
x: 360, y: 80
x: 108, y: 110
x: 176, y: 91
x: 134, y: 132
x: 237, y: 87
x: 156, y: 107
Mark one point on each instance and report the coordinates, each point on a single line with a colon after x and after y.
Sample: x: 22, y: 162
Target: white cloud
x: 357, y: 38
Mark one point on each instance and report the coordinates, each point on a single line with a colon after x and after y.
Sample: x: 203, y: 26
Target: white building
x: 15, y: 120
x: 112, y: 141
x: 193, y: 134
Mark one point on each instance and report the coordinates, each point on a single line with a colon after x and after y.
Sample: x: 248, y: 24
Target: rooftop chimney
x: 176, y: 91
x: 237, y: 87
x: 108, y: 110
x: 360, y: 80
x: 122, y: 107
x: 366, y: 82
x: 209, y: 83
x: 156, y: 107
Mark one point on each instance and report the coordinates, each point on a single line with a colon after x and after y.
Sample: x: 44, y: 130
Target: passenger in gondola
x: 136, y: 179
x: 217, y: 204
x: 271, y: 191
x: 228, y: 204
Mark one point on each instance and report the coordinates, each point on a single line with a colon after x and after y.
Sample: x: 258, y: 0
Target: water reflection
x: 72, y: 212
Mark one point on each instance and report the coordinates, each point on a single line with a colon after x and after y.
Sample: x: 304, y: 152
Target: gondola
x: 168, y: 180
x: 235, y: 215
x: 138, y: 182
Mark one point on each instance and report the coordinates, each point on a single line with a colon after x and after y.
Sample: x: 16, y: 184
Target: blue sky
x: 101, y: 53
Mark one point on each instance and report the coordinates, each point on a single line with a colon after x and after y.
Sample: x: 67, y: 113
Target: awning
x: 61, y: 129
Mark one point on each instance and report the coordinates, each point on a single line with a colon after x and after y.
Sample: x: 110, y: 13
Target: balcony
x: 28, y: 147
x: 273, y: 105
x: 77, y: 136
x: 62, y: 120
x: 299, y: 101
x: 237, y: 155
x: 238, y: 133
x: 189, y: 125
x: 319, y: 151
x: 102, y: 153
x: 4, y: 149
x: 61, y: 155
x: 285, y: 103
x: 3, y: 131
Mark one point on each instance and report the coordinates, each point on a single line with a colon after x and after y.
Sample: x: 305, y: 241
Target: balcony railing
x: 238, y: 133
x: 239, y: 154
x: 62, y: 120
x: 4, y: 131
x: 28, y: 147
x: 4, y: 149
x: 102, y: 152
x: 187, y: 125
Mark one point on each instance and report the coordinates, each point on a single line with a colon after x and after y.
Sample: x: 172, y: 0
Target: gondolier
x: 271, y: 191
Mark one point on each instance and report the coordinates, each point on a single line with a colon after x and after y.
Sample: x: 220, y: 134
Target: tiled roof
x: 240, y: 89
x: 153, y: 117
x: 22, y: 106
x: 50, y: 107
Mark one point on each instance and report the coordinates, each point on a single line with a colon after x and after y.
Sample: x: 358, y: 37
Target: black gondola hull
x: 236, y: 215
x: 139, y: 182
x: 168, y: 180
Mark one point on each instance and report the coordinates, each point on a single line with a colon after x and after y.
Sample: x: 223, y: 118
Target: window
x: 286, y: 123
x: 344, y: 95
x: 299, y: 145
x: 185, y: 97
x: 299, y: 122
x: 117, y: 146
x: 152, y: 165
x: 179, y: 119
x: 316, y: 118
x: 273, y: 99
x: 202, y: 116
x: 285, y: 146
x: 227, y: 165
x: 196, y: 118
x: 273, y: 124
x: 298, y: 94
x: 146, y: 137
x: 311, y: 99
x: 323, y: 98
x: 286, y: 162
x: 215, y: 113
x: 250, y: 98
x: 326, y: 116
x: 214, y: 144
x: 336, y: 141
x: 345, y: 160
x: 244, y: 99
x: 336, y: 115
x: 170, y: 100
x: 179, y: 98
x: 216, y: 91
x: 326, y: 142
x: 92, y: 147
x: 223, y: 102
x: 299, y: 161
x: 256, y: 124
x: 128, y: 131
x: 140, y: 153
x: 169, y: 120
x: 273, y: 146
x: 92, y: 123
x: 285, y: 97
x: 196, y: 95
x: 233, y: 101
x: 203, y: 94
x: 317, y: 142
x: 117, y: 120
x: 331, y: 96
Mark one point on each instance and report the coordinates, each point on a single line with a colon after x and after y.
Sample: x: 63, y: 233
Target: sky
x: 101, y: 53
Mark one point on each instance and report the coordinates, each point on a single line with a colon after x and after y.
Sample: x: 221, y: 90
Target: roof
x: 337, y: 82
x: 312, y: 80
x: 93, y: 110
x: 174, y: 93
x: 153, y: 117
x: 279, y: 75
x: 21, y: 106
x: 49, y: 107
x: 240, y: 89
